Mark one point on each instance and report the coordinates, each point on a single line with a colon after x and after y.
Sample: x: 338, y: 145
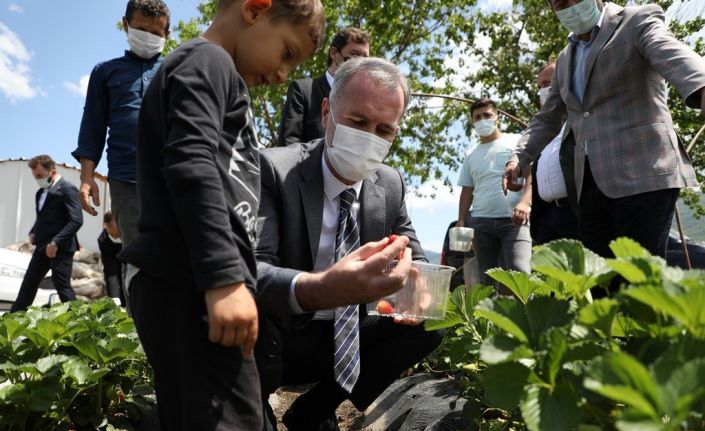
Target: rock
x: 417, y: 403
x: 87, y: 256
x: 275, y: 401
x: 23, y: 247
x: 84, y: 270
x: 91, y: 288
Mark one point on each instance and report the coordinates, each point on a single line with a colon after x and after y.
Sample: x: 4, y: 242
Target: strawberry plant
x: 552, y: 358
x: 72, y: 366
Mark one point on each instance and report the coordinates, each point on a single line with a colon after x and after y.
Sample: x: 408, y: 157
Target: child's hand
x: 232, y: 317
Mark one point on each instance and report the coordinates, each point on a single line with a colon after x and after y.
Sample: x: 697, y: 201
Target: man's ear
x: 252, y: 10
x: 125, y: 25
x: 325, y: 110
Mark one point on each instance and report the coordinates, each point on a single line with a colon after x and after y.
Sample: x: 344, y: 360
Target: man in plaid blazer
x: 610, y: 83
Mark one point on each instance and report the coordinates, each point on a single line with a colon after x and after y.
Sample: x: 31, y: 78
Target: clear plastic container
x: 424, y: 295
x: 460, y: 238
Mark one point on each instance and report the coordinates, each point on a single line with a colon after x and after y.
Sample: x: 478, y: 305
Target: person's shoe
x: 299, y: 421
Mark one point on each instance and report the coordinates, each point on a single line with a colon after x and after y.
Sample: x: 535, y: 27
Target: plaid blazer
x: 624, y: 119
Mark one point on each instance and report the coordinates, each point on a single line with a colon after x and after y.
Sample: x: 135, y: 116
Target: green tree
x: 435, y: 42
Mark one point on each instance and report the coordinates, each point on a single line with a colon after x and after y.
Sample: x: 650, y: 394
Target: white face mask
x: 485, y: 128
x: 143, y: 43
x: 44, y: 183
x: 355, y: 154
x: 543, y: 95
x: 581, y: 17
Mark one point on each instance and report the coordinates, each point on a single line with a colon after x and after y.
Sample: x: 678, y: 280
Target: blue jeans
x: 500, y: 237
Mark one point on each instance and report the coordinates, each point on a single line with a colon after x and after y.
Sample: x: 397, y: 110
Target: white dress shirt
x: 332, y: 188
x: 330, y: 79
x: 549, y: 175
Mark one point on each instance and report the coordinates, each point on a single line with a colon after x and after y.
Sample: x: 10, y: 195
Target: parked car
x: 676, y: 257
x: 456, y: 259
x: 13, y: 266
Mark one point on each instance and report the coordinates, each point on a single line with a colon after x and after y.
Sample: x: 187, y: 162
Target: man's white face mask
x: 44, y: 183
x: 543, y: 95
x: 581, y: 17
x: 144, y: 44
x: 485, y: 128
x: 355, y: 154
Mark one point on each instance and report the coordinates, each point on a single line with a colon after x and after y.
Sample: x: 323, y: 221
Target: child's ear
x: 254, y: 9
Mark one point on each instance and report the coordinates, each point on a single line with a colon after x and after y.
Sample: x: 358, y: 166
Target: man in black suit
x: 301, y: 115
x: 54, y: 233
x: 326, y: 209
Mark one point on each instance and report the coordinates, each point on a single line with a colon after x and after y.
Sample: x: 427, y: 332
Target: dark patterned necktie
x: 346, y: 338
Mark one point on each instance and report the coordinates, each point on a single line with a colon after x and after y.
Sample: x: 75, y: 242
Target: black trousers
x: 553, y: 222
x: 644, y: 217
x: 305, y: 355
x: 200, y: 385
x: 39, y: 265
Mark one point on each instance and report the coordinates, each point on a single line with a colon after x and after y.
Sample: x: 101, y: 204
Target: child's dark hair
x: 346, y: 35
x: 297, y: 12
x: 108, y: 217
x: 150, y: 8
x: 482, y: 103
x: 44, y: 160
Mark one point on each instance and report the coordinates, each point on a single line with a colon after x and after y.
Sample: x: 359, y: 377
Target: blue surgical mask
x: 581, y: 17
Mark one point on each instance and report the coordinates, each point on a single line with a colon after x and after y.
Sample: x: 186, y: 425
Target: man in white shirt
x: 498, y: 241
x: 551, y: 214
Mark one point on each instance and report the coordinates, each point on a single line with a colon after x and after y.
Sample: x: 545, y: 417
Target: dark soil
x: 349, y: 419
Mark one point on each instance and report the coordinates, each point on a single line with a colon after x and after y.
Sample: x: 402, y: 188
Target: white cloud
x: 15, y: 77
x: 433, y: 196
x: 80, y: 88
x: 14, y: 7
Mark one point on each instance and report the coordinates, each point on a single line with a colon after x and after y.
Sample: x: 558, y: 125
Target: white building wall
x: 17, y: 207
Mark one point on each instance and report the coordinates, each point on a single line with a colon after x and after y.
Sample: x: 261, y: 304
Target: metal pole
x: 462, y: 99
x: 684, y: 242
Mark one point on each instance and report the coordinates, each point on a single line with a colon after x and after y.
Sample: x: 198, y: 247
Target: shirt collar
x: 333, y: 186
x: 330, y: 79
x: 573, y: 38
x: 133, y: 56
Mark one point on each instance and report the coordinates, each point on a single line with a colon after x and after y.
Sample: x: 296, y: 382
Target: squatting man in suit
x: 610, y: 82
x: 53, y: 234
x: 301, y: 115
x: 325, y: 212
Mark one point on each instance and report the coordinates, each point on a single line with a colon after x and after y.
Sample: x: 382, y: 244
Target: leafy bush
x: 72, y: 366
x: 551, y: 358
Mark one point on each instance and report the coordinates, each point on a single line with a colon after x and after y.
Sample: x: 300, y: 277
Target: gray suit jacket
x: 290, y: 218
x: 624, y: 119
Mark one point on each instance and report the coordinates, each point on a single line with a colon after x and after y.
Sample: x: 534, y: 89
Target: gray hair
x: 383, y: 72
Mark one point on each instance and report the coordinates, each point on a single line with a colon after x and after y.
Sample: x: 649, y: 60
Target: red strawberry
x: 390, y: 239
x: 384, y: 307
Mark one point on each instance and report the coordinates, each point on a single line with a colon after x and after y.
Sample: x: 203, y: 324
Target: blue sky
x: 48, y: 48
